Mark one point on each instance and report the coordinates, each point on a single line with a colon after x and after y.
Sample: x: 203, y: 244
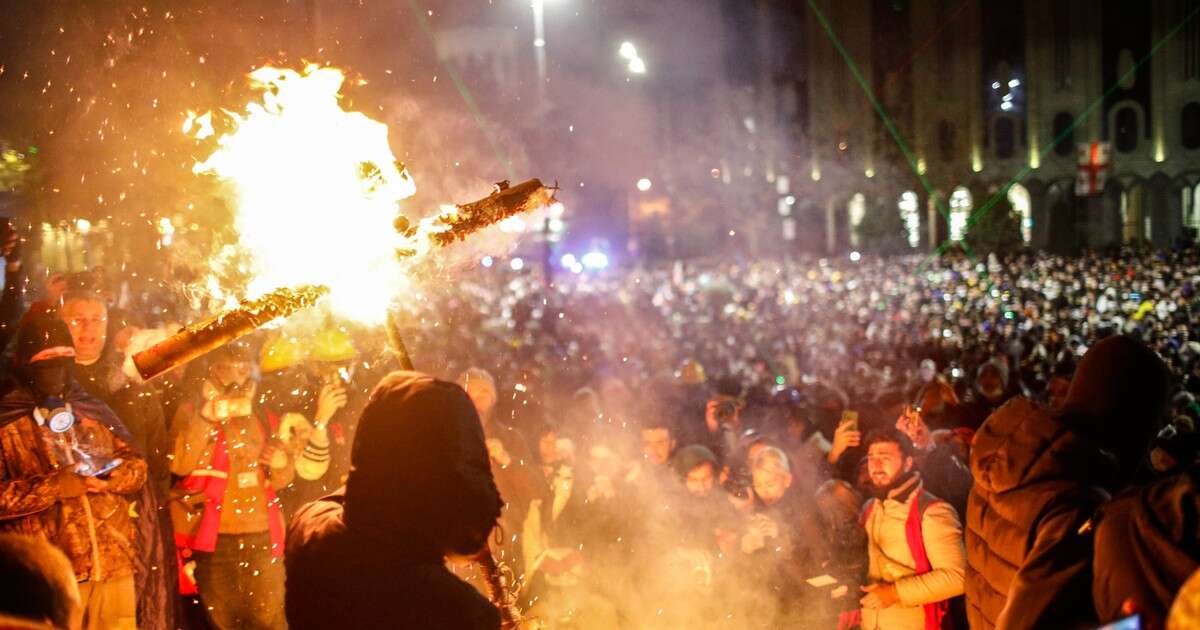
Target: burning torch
x: 444, y: 229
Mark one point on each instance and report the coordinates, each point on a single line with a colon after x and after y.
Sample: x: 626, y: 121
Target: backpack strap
x: 936, y: 613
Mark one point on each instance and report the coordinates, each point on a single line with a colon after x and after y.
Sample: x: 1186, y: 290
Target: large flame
x: 314, y: 190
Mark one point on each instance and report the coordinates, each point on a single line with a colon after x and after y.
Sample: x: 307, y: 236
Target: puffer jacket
x: 1038, y: 483
x: 892, y: 560
x: 1147, y: 545
x: 95, y: 530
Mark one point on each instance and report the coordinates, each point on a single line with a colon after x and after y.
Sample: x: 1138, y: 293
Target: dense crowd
x: 824, y: 443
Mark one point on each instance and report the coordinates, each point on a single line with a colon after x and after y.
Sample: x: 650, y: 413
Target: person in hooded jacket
x: 69, y: 475
x: 1039, y: 480
x: 1147, y: 545
x: 372, y: 555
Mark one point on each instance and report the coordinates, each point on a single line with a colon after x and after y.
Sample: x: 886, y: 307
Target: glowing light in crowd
x: 517, y: 264
x: 855, y: 256
x: 487, y: 261
x: 166, y: 231
x: 567, y: 261
x: 314, y: 190
x: 644, y: 184
x: 629, y: 53
x: 595, y: 260
x: 83, y: 226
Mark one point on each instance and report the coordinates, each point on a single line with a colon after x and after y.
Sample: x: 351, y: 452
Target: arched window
x: 1125, y: 133
x: 1062, y: 125
x: 911, y: 218
x: 960, y: 211
x: 1189, y: 125
x: 1005, y: 141
x: 855, y: 211
x: 1018, y: 197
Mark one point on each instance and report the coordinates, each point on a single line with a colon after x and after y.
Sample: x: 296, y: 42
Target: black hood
x: 420, y: 471
x: 1118, y: 396
x: 38, y: 333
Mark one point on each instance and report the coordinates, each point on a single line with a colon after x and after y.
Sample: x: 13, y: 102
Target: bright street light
x: 637, y: 66
x: 627, y: 50
x: 644, y: 184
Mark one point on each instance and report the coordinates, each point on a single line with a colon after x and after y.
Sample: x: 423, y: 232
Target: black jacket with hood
x: 372, y: 554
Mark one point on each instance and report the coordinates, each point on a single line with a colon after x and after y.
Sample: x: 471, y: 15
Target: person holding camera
x: 69, y: 475
x: 226, y: 513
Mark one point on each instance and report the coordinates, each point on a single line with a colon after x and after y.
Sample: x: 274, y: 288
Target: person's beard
x: 881, y: 492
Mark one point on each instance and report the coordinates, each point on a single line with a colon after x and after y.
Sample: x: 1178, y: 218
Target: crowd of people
x: 816, y: 443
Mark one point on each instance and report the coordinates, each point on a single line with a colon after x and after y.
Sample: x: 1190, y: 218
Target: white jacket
x: 891, y: 559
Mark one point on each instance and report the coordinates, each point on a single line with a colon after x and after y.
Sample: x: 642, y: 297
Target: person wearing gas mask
x: 69, y: 475
x: 226, y: 513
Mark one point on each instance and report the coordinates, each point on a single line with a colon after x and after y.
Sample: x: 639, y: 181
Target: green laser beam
x: 888, y: 123
x: 1087, y: 112
x: 465, y: 93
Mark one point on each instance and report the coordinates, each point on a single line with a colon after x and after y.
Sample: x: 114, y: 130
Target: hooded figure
x: 372, y: 554
x: 1147, y: 545
x: 36, y: 499
x: 1039, y: 479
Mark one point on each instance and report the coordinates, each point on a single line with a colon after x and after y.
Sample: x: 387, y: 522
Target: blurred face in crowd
x: 886, y: 463
x: 548, y: 447
x: 483, y: 394
x: 230, y: 371
x: 700, y: 480
x: 657, y: 445
x: 990, y: 384
x: 604, y: 461
x: 88, y: 321
x: 771, y: 481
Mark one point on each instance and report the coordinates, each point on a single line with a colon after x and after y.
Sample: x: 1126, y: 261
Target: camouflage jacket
x: 95, y: 530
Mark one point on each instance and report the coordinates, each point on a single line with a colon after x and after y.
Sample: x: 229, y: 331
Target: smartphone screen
x: 106, y: 468
x: 1133, y: 622
x: 850, y: 417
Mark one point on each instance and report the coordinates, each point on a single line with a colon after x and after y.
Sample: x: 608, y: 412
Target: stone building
x: 994, y: 98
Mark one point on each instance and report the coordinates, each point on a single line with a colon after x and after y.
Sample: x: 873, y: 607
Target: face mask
x: 49, y: 378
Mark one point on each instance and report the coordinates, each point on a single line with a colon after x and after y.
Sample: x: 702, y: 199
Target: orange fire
x: 314, y: 189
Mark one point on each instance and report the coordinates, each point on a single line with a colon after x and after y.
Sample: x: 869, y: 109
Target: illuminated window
x: 1018, y: 197
x: 912, y: 218
x: 856, y: 210
x: 960, y: 211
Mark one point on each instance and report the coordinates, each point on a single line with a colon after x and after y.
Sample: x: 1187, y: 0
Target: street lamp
x: 644, y: 184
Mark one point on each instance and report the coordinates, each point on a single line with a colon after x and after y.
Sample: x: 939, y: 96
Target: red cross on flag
x: 1093, y: 167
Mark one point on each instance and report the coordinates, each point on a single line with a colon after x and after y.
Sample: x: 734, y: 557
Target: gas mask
x: 54, y: 413
x: 224, y: 402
